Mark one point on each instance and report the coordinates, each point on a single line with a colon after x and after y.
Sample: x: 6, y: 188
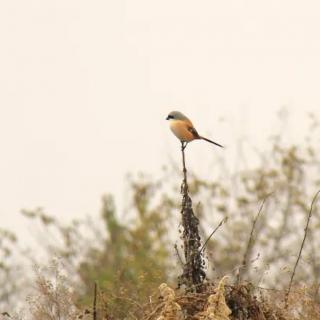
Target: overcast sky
x: 86, y: 86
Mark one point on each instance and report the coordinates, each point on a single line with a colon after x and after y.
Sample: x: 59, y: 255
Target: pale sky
x: 86, y: 86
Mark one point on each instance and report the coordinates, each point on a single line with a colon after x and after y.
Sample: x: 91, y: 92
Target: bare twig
x: 250, y: 241
x: 155, y: 311
x: 178, y: 255
x: 132, y: 301
x: 95, y: 302
x: 184, y: 186
x: 224, y: 220
x: 301, y: 248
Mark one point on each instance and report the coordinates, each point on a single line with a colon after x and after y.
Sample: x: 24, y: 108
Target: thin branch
x: 301, y: 248
x: 224, y: 220
x: 178, y: 255
x: 250, y: 241
x: 185, y: 182
x: 156, y: 310
x: 95, y: 302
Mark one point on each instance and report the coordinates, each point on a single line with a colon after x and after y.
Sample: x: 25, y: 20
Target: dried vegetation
x: 247, y: 251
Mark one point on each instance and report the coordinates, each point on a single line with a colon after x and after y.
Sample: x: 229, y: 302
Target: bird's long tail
x: 217, y: 144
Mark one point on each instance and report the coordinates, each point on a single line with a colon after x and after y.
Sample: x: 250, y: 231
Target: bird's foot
x: 183, y: 145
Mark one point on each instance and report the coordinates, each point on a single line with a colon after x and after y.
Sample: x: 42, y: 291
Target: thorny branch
x: 193, y: 273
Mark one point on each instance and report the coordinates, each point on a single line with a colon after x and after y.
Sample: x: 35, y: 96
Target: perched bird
x: 184, y: 130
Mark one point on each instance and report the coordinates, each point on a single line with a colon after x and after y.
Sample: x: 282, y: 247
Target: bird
x: 184, y: 130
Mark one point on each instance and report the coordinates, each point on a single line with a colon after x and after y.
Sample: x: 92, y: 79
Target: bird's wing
x: 194, y: 132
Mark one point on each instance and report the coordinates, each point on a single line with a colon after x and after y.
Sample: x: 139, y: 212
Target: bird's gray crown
x: 177, y: 115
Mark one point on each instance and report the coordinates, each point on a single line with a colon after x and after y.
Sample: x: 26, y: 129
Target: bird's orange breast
x: 181, y: 130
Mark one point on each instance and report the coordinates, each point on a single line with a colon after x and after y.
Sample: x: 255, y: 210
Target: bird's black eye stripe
x: 170, y: 117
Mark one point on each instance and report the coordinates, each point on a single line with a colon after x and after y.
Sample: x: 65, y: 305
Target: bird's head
x: 176, y: 115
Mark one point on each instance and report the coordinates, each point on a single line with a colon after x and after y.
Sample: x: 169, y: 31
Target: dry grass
x: 228, y: 302
x: 54, y: 297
